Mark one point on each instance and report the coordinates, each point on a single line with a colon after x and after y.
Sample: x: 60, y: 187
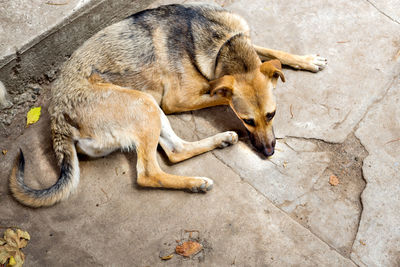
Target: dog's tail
x: 66, y: 183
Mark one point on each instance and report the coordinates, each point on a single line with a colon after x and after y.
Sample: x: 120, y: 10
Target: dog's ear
x: 222, y: 86
x: 273, y: 69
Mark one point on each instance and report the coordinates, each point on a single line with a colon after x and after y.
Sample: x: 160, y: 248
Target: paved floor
x: 343, y: 121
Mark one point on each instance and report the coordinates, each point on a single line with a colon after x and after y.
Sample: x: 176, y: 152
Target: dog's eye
x: 270, y: 116
x: 250, y: 122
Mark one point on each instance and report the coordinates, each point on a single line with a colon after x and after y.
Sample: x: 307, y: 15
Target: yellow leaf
x: 168, y: 257
x: 12, y: 261
x: 4, y: 151
x: 33, y: 115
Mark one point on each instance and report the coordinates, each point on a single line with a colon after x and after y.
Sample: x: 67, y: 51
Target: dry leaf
x: 168, y: 257
x: 10, y: 247
x: 33, y: 115
x: 4, y: 151
x: 188, y: 248
x: 333, y: 180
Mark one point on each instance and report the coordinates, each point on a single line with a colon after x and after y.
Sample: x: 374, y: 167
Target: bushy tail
x: 66, y: 183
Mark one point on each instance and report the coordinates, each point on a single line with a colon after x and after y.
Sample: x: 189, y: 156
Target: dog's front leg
x: 174, y: 102
x: 179, y: 150
x: 312, y: 63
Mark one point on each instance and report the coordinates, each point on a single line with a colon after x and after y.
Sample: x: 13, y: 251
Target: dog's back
x: 164, y: 37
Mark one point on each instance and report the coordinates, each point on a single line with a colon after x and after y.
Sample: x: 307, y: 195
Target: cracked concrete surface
x: 389, y: 9
x: 296, y: 179
x: 343, y: 121
x: 378, y: 237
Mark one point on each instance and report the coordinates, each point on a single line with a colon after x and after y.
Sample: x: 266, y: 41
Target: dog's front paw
x: 203, y: 184
x: 228, y: 138
x: 313, y: 63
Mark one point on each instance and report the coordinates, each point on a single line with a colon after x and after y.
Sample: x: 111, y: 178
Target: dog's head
x: 251, y: 97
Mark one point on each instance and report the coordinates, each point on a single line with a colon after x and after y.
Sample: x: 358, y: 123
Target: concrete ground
x: 343, y: 121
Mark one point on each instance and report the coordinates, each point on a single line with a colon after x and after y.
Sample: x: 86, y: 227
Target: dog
x: 114, y: 91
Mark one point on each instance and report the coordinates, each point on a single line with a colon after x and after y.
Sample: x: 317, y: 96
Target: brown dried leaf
x: 188, y: 248
x: 333, y: 180
x: 11, y: 244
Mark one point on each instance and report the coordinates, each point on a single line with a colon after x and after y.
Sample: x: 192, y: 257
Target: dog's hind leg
x: 123, y: 119
x: 148, y: 169
x: 150, y: 174
x: 179, y: 150
x: 312, y: 63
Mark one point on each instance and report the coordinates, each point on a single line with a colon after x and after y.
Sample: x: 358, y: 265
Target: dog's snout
x: 269, y: 150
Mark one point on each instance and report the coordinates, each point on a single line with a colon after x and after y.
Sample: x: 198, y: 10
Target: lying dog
x: 114, y: 91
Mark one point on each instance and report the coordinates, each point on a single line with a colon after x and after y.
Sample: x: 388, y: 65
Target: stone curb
x: 37, y: 59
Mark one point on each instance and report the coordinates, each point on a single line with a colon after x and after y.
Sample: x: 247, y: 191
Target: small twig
x: 397, y: 55
x: 392, y: 141
x: 343, y: 42
x: 57, y: 4
x: 291, y: 111
x: 191, y: 231
x: 105, y: 193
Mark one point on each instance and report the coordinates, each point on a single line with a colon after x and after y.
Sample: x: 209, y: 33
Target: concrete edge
x: 48, y: 51
x: 20, y: 50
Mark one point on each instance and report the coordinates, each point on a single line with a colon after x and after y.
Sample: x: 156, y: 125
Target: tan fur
x: 109, y: 93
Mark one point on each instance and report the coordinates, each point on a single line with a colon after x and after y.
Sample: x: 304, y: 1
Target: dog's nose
x: 268, y: 151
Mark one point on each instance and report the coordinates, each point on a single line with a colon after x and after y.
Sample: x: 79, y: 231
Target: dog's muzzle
x: 267, y: 149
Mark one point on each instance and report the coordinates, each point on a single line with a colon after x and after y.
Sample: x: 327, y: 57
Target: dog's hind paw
x: 228, y: 138
x: 205, y: 185
x: 312, y: 63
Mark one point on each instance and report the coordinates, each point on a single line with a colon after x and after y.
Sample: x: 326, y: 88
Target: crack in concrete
x: 377, y: 101
x: 346, y: 161
x: 350, y: 148
x: 339, y: 164
x: 337, y: 124
x: 307, y: 229
x: 383, y: 13
x: 354, y: 130
x: 356, y: 127
x: 312, y: 139
x: 359, y: 218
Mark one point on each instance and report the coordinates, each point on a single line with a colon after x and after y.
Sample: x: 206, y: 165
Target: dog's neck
x: 235, y: 56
